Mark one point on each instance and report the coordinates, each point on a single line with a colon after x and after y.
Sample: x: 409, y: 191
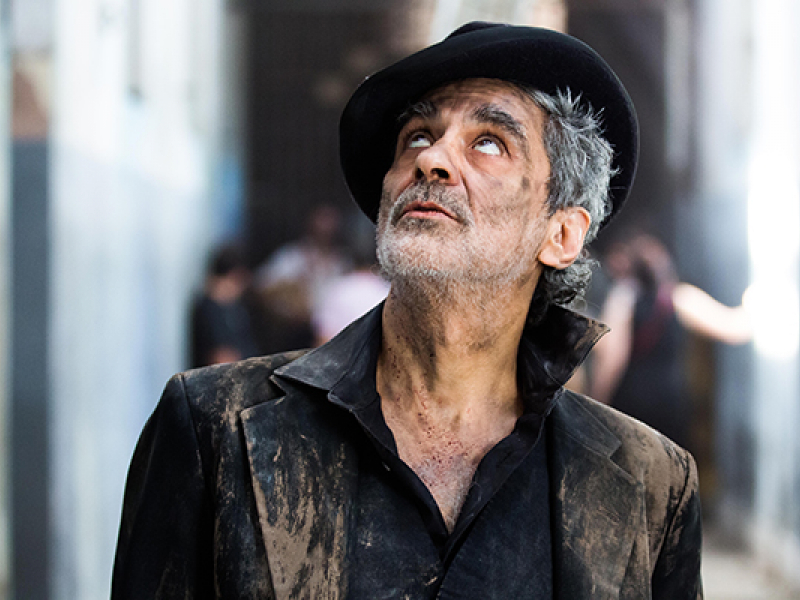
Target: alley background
x: 136, y: 135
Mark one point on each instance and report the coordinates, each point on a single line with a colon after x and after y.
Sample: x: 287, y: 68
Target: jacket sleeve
x: 165, y: 541
x: 677, y: 571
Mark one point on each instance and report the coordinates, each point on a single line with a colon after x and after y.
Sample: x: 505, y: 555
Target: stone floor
x: 731, y: 574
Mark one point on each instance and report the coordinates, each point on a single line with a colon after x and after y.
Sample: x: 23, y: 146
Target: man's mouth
x: 425, y: 209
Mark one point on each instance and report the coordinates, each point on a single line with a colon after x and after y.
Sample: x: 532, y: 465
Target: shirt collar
x: 550, y: 352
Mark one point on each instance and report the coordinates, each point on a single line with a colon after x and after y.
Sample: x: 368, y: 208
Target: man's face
x: 465, y: 197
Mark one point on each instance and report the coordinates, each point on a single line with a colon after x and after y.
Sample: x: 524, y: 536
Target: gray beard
x: 398, y: 264
x: 418, y: 270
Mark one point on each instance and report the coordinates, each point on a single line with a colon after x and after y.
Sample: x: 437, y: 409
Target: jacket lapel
x: 598, y: 508
x: 304, y: 485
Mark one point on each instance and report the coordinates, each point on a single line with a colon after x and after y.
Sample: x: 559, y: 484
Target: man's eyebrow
x: 424, y: 109
x: 492, y: 114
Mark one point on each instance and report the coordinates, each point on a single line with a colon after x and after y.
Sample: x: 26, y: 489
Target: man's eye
x: 488, y: 146
x: 419, y: 140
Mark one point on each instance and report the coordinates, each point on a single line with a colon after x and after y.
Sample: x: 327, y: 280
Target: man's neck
x: 458, y: 345
x: 447, y: 377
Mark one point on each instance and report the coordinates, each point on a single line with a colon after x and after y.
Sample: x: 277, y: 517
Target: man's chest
x: 446, y: 468
x: 499, y: 546
x: 444, y: 457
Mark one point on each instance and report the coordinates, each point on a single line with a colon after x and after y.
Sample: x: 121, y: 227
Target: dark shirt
x: 500, y: 546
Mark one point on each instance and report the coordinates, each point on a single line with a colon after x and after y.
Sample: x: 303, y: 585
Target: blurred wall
x: 750, y: 202
x: 714, y: 229
x: 774, y: 242
x: 143, y: 179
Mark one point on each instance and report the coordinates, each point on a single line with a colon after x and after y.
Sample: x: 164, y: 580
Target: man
x: 430, y: 450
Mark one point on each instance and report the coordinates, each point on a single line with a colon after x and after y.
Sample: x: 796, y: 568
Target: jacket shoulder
x: 643, y: 451
x: 227, y: 389
x: 667, y: 476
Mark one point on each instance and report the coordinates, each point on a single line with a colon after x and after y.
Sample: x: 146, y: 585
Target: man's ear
x: 566, y: 231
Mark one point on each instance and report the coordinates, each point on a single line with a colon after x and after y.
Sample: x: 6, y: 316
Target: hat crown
x: 473, y: 26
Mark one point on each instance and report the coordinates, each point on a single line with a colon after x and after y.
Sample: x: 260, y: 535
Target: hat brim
x: 541, y: 58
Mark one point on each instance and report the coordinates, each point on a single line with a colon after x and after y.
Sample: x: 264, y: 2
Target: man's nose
x: 436, y: 163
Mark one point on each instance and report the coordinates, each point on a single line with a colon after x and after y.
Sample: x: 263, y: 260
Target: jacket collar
x: 550, y: 351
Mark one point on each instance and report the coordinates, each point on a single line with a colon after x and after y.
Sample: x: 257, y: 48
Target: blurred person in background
x: 347, y: 297
x: 220, y: 325
x: 290, y: 283
x: 430, y: 450
x: 639, y: 366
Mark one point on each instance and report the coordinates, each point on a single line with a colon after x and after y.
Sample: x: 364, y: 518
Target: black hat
x: 540, y: 58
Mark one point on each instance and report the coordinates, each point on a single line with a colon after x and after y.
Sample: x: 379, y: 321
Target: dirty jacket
x: 243, y: 481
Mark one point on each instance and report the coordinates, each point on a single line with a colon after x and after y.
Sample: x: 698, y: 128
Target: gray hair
x: 580, y: 174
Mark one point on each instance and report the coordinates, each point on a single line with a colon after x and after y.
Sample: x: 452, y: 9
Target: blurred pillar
x: 5, y: 297
x: 229, y: 180
x: 31, y: 41
x: 135, y: 204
